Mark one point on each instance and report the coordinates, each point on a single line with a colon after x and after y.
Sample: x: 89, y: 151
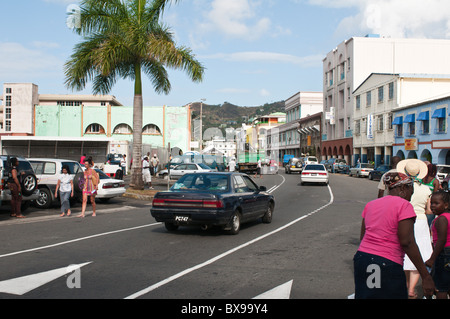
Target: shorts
x: 441, y: 271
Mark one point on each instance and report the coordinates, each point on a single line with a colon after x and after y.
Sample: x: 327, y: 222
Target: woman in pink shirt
x: 387, y: 233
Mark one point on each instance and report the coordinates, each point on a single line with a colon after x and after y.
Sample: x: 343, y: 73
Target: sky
x: 254, y: 51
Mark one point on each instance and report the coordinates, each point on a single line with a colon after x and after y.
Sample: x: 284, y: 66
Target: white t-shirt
x: 65, y: 180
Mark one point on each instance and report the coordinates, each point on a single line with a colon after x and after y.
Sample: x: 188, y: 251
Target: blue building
x: 421, y: 131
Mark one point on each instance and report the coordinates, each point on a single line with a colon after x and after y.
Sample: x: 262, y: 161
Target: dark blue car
x: 378, y: 172
x: 213, y: 199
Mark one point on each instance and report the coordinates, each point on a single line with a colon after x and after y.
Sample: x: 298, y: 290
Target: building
x: 421, y: 130
x: 61, y: 117
x: 352, y: 61
x: 256, y: 134
x: 376, y: 101
x: 292, y: 138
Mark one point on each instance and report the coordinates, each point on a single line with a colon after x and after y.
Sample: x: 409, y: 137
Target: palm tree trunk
x: 136, y: 169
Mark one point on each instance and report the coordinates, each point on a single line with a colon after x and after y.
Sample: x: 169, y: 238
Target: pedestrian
x: 90, y: 188
x: 146, y: 176
x: 416, y: 169
x: 440, y: 259
x: 15, y: 188
x: 65, y: 187
x: 232, y: 165
x: 258, y: 169
x: 123, y: 164
x: 82, y: 158
x: 387, y: 233
x: 381, y: 187
x: 154, y: 163
x: 433, y: 183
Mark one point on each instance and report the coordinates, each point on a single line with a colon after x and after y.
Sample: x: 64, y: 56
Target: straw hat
x: 413, y: 167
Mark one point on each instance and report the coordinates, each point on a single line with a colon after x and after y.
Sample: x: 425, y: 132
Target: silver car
x: 182, y: 169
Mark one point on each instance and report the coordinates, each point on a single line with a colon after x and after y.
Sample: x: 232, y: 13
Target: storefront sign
x: 411, y: 144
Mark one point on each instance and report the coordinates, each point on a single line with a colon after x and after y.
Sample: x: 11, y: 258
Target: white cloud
x: 19, y: 63
x: 394, y: 18
x: 268, y: 57
x: 238, y: 19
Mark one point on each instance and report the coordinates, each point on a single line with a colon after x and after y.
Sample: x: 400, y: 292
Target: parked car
x: 314, y: 173
x: 286, y: 159
x: 378, y: 172
x: 361, y: 169
x: 294, y: 165
x: 180, y: 170
x: 336, y: 165
x: 109, y: 187
x: 27, y: 179
x: 213, y: 199
x: 442, y: 172
x: 47, y: 171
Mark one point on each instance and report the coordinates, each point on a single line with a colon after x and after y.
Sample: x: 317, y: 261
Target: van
x: 27, y: 179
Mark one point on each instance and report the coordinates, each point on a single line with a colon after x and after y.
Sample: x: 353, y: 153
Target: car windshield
x: 201, y: 182
x: 314, y: 168
x: 101, y: 174
x: 204, y: 166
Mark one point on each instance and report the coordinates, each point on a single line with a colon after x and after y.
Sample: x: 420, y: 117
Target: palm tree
x: 122, y: 39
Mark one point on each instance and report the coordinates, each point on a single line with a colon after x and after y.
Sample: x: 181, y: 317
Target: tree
x: 122, y: 39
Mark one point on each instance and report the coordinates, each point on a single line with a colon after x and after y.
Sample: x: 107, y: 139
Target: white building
x: 375, y: 102
x: 352, y: 61
x: 221, y: 146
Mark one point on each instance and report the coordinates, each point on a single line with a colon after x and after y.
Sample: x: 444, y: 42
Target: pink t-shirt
x: 381, y: 217
x: 433, y: 228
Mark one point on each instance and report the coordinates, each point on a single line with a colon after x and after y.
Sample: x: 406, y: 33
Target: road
x: 307, y: 250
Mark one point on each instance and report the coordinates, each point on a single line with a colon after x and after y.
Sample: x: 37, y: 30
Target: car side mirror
x: 262, y: 188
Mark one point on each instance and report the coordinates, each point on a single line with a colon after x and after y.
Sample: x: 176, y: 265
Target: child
x: 440, y: 259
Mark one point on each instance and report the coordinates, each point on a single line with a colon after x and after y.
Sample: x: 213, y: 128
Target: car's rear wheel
x: 267, y: 218
x: 235, y: 223
x: 29, y: 184
x: 45, y: 199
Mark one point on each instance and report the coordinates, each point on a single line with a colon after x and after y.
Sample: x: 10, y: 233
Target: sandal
x: 20, y: 216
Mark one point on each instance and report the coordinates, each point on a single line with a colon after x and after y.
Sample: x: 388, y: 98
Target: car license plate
x: 313, y: 174
x: 183, y: 219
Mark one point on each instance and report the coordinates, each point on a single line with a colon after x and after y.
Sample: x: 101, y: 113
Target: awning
x: 439, y: 114
x: 398, y: 121
x: 424, y: 116
x: 410, y: 118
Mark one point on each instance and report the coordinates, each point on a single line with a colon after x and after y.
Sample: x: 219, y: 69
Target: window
x: 399, y: 131
x: 391, y: 91
x: 74, y: 168
x: 358, y: 127
x: 358, y: 102
x: 8, y: 100
x: 380, y: 123
x: 123, y: 129
x: 412, y: 129
x: 8, y: 125
x: 239, y: 184
x: 95, y: 129
x: 69, y: 103
x: 441, y: 125
x: 426, y: 127
x: 151, y: 129
x: 8, y: 91
x: 380, y: 94
x: 7, y: 113
x: 49, y: 168
x: 390, y: 120
x: 250, y: 184
x: 369, y: 99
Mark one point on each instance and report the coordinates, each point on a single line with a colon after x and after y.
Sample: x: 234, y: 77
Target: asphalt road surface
x: 305, y: 253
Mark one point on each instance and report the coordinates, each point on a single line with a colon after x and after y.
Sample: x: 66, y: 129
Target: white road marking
x: 22, y: 285
x: 229, y: 252
x: 281, y: 292
x: 77, y: 240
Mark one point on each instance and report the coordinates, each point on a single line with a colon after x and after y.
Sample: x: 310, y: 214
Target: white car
x: 361, y: 169
x: 442, y: 172
x: 109, y: 187
x: 182, y: 169
x: 314, y: 173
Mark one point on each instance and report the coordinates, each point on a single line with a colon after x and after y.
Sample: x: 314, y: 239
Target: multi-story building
x: 376, y: 101
x: 352, y: 61
x: 421, y: 130
x: 286, y: 139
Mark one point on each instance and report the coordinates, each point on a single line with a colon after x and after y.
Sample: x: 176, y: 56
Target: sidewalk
x: 159, y: 185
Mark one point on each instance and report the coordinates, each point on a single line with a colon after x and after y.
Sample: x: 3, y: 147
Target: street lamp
x: 201, y: 123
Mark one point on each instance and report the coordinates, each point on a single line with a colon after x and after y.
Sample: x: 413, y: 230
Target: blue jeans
x: 378, y: 278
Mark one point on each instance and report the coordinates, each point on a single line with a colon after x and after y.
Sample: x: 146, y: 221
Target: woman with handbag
x: 90, y: 186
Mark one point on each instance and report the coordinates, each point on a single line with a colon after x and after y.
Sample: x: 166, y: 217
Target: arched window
x: 95, y: 128
x: 151, y: 129
x: 123, y: 129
